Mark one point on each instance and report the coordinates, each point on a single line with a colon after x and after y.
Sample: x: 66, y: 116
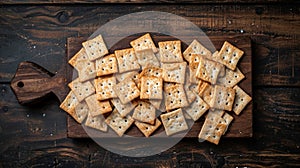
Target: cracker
x: 241, y: 100
x: 96, y: 122
x: 146, y: 58
x: 223, y: 98
x: 123, y: 109
x: 106, y: 65
x: 143, y: 42
x: 151, y: 88
x: 174, y: 72
x: 144, y: 112
x: 81, y: 90
x: 104, y: 87
x: 82, y: 111
x: 196, y: 48
x: 212, y: 130
x: 174, y: 122
x: 147, y: 129
x: 231, y: 78
x: 95, y: 48
x: 86, y: 70
x: 229, y: 55
x: 118, y: 123
x: 122, y: 76
x: 97, y: 107
x: 175, y: 97
x: 197, y: 108
x: 69, y: 104
x: 127, y: 60
x: 208, y: 70
x: 126, y: 91
x: 79, y: 56
x: 170, y: 51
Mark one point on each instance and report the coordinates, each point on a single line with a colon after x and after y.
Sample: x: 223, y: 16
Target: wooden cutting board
x: 242, y: 124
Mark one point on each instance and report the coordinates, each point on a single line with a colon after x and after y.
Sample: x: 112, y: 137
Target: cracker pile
x: 148, y: 87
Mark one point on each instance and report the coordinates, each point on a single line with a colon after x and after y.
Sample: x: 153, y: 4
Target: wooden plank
x: 242, y: 125
x: 28, y: 138
x: 38, y: 33
x: 47, y: 2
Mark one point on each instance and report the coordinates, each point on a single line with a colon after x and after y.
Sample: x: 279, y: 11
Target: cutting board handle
x: 32, y: 83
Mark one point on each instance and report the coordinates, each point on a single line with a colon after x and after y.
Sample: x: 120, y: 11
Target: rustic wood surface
x: 36, y: 136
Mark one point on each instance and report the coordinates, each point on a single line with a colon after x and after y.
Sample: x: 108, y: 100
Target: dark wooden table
x: 36, y: 31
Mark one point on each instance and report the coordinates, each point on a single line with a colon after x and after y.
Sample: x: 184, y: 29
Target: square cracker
x: 123, y: 109
x: 86, y: 70
x: 170, y: 51
x: 151, y: 88
x: 174, y: 72
x: 82, y: 111
x: 229, y: 55
x: 144, y: 112
x: 126, y: 90
x: 174, y: 122
x: 208, y: 70
x: 212, y: 130
x: 197, y: 108
x: 143, y: 42
x: 175, y: 97
x: 97, y: 107
x: 231, y: 78
x: 146, y: 58
x: 118, y: 123
x: 96, y: 122
x: 147, y: 129
x: 122, y: 76
x: 69, y: 104
x: 79, y: 56
x: 241, y: 100
x: 106, y: 65
x: 127, y: 60
x: 95, y: 48
x: 196, y: 48
x: 104, y: 87
x: 223, y: 98
x: 81, y: 90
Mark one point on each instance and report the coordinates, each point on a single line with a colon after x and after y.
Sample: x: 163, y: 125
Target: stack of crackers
x: 146, y: 87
